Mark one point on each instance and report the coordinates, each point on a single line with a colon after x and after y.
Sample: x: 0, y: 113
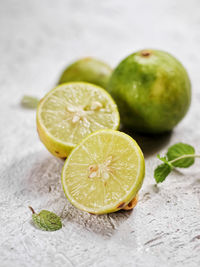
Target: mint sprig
x: 29, y: 102
x: 179, y: 155
x: 46, y: 220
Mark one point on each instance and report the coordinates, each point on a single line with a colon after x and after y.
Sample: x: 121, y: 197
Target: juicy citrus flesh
x: 104, y: 172
x: 152, y: 90
x: 72, y: 111
x: 88, y: 69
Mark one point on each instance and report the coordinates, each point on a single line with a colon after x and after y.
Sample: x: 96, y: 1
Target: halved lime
x: 131, y: 205
x: 70, y: 112
x: 104, y: 172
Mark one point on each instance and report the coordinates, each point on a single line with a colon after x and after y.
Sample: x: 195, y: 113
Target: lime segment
x: 104, y: 172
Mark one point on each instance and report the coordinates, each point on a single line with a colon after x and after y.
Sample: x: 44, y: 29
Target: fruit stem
x: 145, y: 53
x: 185, y: 156
x: 31, y: 209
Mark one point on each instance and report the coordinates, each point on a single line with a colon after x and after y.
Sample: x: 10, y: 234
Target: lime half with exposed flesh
x: 131, y: 205
x: 104, y: 172
x: 70, y: 112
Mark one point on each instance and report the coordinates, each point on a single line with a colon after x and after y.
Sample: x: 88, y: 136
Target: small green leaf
x: 179, y: 150
x: 164, y: 159
x: 46, y: 220
x: 29, y: 102
x: 161, y: 172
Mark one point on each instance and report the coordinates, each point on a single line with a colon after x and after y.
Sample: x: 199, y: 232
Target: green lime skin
x: 87, y: 70
x: 152, y: 90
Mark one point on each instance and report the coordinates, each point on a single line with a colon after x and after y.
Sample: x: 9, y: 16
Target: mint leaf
x: 179, y: 155
x: 164, y: 159
x: 46, y: 220
x: 161, y: 172
x: 181, y: 150
x: 29, y: 102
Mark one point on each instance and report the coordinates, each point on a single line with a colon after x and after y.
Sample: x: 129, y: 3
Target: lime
x: 87, y: 70
x: 104, y: 172
x: 152, y: 90
x: 70, y: 112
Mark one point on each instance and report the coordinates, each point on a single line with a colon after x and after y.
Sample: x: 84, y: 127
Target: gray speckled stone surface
x: 37, y: 40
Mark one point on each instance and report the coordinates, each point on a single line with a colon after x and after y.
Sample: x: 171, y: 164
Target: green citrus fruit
x: 87, y: 70
x: 104, y: 172
x: 70, y: 112
x: 152, y: 90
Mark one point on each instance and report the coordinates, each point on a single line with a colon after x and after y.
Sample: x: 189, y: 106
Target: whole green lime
x: 152, y: 90
x: 87, y: 70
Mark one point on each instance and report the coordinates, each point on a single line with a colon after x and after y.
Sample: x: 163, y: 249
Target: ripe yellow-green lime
x: 104, y: 172
x: 152, y: 90
x: 87, y: 70
x: 70, y: 112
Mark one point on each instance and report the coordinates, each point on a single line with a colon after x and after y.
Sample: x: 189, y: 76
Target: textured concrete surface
x: 37, y: 39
